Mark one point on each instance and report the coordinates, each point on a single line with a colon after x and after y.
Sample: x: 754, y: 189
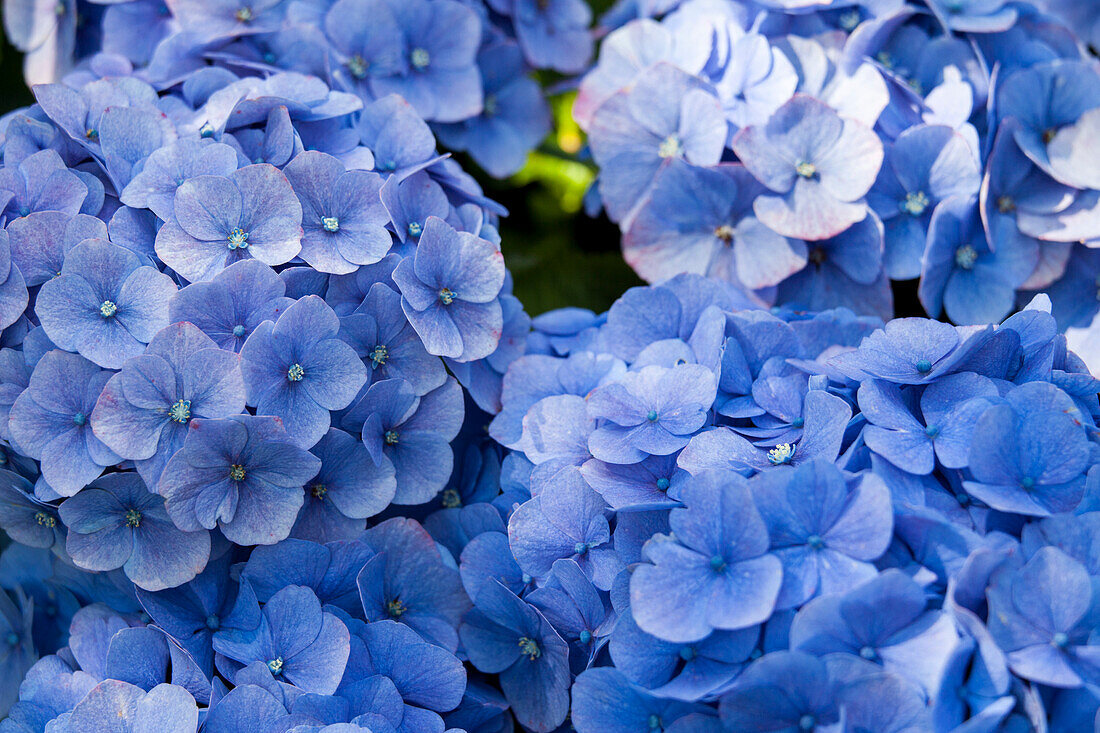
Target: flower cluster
x: 241, y: 316
x: 687, y: 515
x: 280, y: 451
x: 811, y: 152
x: 732, y: 519
x: 462, y: 66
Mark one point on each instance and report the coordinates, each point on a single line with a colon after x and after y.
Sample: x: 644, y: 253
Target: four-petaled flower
x: 104, y: 304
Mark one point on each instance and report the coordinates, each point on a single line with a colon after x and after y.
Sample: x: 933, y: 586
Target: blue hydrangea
x: 298, y: 370
x: 898, y: 114
x: 104, y: 304
x: 242, y: 474
x: 280, y: 449
x: 118, y: 523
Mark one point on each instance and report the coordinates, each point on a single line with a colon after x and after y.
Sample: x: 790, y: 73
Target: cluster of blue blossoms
x: 281, y: 453
x: 811, y: 152
x: 462, y: 65
x: 240, y: 316
x: 752, y: 521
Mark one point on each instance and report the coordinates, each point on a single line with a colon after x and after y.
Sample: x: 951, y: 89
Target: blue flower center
x: 580, y: 548
x: 44, y: 520
x: 318, y: 491
x: 807, y: 723
x: 358, y: 66
x: 12, y: 638
x: 1060, y: 640
x: 815, y: 542
x: 213, y: 622
x: 654, y: 721
x: 133, y: 518
x: 59, y: 9
x: 91, y: 133
x: 415, y: 229
x: 295, y: 373
x: 662, y: 484
x: 717, y: 563
x: 180, y: 411
x: 868, y: 653
x: 276, y: 666
x: 396, y: 608
x: 932, y: 431
x: 450, y: 499
x: 1006, y: 204
x: 391, y: 437
x: 724, y: 232
x: 237, y: 238
x: 244, y: 14
x: 239, y: 330
x: 848, y: 21
x: 1027, y: 483
x: 687, y: 653
x: 924, y: 366
x: 671, y: 147
x: 780, y: 454
x: 966, y: 256
x: 446, y: 296
x: 915, y: 203
x: 79, y: 419
x: 806, y: 169
x: 529, y: 648
x: 378, y: 356
x: 107, y: 309
x: 330, y: 223
x: 585, y: 636
x: 207, y: 130
x: 489, y: 108
x: 652, y: 416
x: 420, y: 58
x: 797, y: 422
x: 237, y: 472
